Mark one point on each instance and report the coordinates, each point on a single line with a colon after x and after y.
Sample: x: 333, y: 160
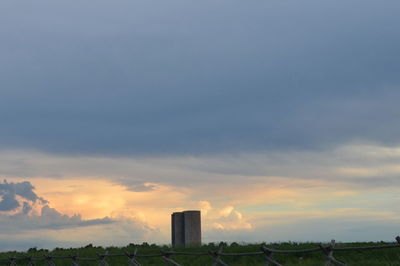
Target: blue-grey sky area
x: 185, y: 77
x: 278, y: 119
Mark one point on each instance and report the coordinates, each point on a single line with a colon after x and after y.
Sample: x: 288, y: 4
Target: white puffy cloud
x: 223, y: 218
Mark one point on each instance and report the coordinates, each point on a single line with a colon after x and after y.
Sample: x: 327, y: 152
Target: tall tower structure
x: 186, y: 228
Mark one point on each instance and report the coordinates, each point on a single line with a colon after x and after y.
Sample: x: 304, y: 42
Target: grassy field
x: 364, y: 258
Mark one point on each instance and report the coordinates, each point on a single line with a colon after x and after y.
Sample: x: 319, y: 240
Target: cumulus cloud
x: 225, y: 223
x: 225, y: 218
x: 9, y: 192
x: 231, y: 219
x: 28, y: 220
x: 8, y: 202
x: 22, y: 209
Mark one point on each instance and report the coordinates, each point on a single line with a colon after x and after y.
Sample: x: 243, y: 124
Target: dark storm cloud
x: 151, y: 77
x: 9, y: 191
x: 8, y: 202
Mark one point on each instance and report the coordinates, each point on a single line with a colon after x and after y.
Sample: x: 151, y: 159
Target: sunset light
x: 264, y: 122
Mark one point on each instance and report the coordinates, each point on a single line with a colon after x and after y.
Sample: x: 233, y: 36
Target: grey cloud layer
x: 356, y: 166
x: 140, y: 77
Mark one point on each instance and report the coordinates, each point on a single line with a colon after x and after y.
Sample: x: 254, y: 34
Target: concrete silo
x: 186, y: 228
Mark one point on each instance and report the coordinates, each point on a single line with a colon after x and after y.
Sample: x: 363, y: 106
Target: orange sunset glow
x: 198, y: 122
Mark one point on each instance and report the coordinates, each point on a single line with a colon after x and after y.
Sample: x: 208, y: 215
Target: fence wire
x: 217, y: 256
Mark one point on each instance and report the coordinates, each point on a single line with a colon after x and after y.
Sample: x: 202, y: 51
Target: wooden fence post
x: 102, y: 259
x: 328, y: 252
x: 269, y: 257
x: 13, y: 261
x: 74, y: 261
x: 50, y: 261
x: 216, y: 256
x: 30, y: 261
x: 167, y: 258
x: 132, y: 259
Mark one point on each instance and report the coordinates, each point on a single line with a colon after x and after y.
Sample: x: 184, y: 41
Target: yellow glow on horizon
x: 97, y: 198
x: 295, y: 199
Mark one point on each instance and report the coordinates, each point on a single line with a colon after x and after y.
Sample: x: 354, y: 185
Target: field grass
x: 365, y: 258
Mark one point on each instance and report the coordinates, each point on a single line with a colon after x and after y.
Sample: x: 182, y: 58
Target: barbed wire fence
x: 217, y: 256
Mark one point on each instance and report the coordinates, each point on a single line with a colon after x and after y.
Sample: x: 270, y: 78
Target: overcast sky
x: 285, y: 101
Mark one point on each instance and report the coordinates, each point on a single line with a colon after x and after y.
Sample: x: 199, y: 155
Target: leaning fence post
x: 75, y: 260
x: 13, y: 261
x: 216, y: 255
x: 102, y: 259
x: 166, y: 256
x: 132, y: 259
x: 268, y: 257
x: 328, y: 252
x: 30, y: 261
x: 50, y: 261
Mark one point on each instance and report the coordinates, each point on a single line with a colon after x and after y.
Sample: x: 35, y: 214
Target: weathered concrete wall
x: 192, y: 225
x: 177, y: 229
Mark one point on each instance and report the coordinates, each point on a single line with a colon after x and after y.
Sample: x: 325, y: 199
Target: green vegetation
x: 389, y: 256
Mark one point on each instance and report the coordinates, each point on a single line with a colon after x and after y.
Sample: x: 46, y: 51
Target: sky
x: 277, y: 119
